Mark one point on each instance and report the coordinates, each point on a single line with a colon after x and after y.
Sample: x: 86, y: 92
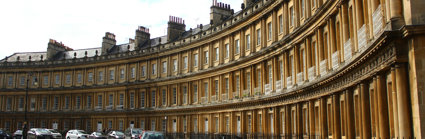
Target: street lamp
x: 25, y: 129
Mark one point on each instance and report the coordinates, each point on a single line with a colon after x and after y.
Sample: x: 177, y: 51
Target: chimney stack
x: 219, y: 12
x: 175, y: 28
x: 54, y: 47
x: 108, y: 42
x: 142, y: 37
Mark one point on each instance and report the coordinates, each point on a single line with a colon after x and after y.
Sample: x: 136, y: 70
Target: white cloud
x: 27, y: 25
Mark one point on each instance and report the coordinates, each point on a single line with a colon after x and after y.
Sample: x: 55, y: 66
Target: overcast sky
x: 27, y: 25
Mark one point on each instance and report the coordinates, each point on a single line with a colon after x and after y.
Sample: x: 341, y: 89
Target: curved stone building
x: 287, y: 68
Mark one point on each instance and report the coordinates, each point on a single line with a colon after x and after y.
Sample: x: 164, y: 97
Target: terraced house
x: 284, y: 68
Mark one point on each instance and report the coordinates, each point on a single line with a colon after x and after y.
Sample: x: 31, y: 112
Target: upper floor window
x: 122, y: 73
x: 153, y: 69
x: 132, y: 100
x: 55, y: 102
x: 205, y: 89
x: 111, y: 74
x: 143, y: 74
x: 90, y: 78
x: 111, y: 99
x: 133, y: 72
x: 121, y: 99
x: 89, y: 101
x: 280, y: 24
x: 66, y: 102
x: 206, y: 57
x: 99, y: 101
x: 44, y: 103
x: 292, y: 16
x: 303, y: 8
x: 79, y: 77
x: 45, y: 80
x: 248, y: 42
x: 258, y: 36
x: 248, y: 80
x: 269, y: 27
x: 10, y: 81
x: 22, y: 80
x: 226, y: 54
x: 174, y: 95
x: 142, y: 99
x: 270, y: 74
x: 226, y: 85
x: 100, y: 76
x: 216, y: 54
x: 57, y: 79
x: 237, y: 83
x: 164, y: 97
x: 164, y: 67
x: 216, y: 86
x: 195, y: 93
x: 185, y: 62
x: 237, y: 47
x: 153, y: 95
x: 195, y: 60
x: 175, y: 65
x: 184, y: 95
x: 78, y: 102
x: 9, y: 103
x: 68, y: 78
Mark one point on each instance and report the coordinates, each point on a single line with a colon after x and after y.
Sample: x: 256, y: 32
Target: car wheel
x: 67, y: 138
x: 78, y: 137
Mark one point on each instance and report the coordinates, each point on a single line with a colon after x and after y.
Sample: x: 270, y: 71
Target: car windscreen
x: 42, y: 131
x: 53, y: 131
x: 136, y: 131
x: 119, y: 133
x: 82, y: 132
x: 98, y: 133
x: 153, y: 136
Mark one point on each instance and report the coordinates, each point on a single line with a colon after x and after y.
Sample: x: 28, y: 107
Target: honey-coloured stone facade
x: 281, y: 68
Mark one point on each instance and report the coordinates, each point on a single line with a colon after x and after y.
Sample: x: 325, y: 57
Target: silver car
x: 55, y: 134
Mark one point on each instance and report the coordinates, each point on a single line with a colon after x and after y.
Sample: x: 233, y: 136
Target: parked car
x: 56, y: 134
x: 76, y: 134
x: 39, y: 133
x: 17, y: 134
x: 116, y: 135
x: 5, y: 135
x: 97, y: 135
x: 133, y: 133
x: 153, y: 135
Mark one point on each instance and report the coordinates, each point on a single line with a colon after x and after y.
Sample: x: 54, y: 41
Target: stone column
x: 374, y: 114
x: 396, y: 13
x: 336, y: 117
x: 350, y: 114
x: 382, y: 107
x: 403, y: 104
x: 364, y: 100
x: 311, y: 119
x: 359, y: 13
x: 394, y: 100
